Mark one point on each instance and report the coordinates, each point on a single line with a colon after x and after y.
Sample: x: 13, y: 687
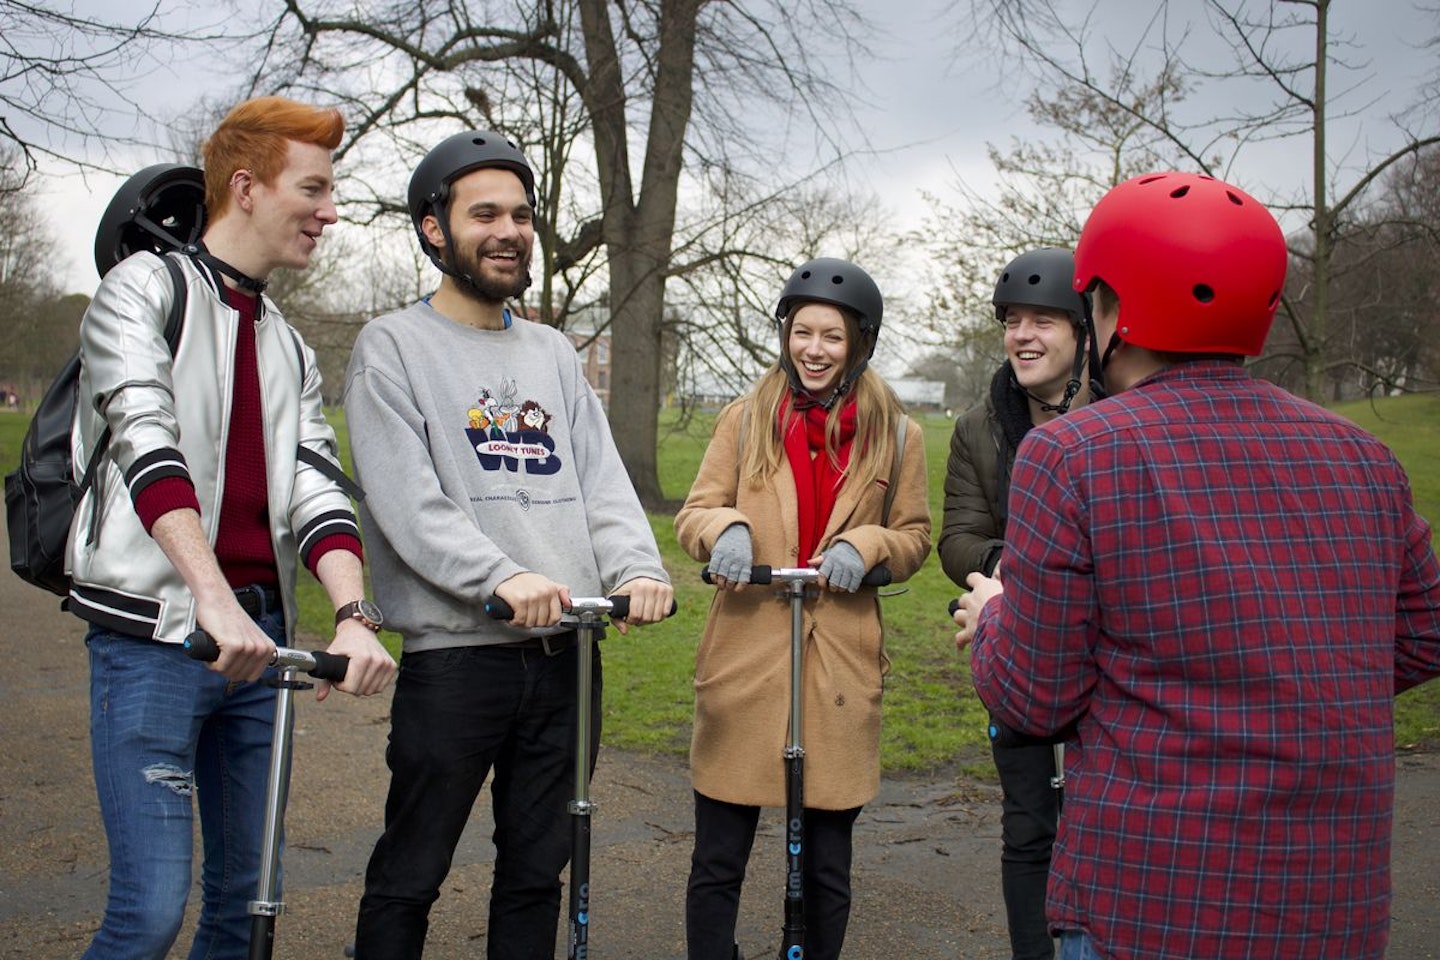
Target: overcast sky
x: 928, y: 116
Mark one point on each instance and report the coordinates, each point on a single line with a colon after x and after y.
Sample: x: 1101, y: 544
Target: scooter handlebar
x: 617, y: 607
x: 317, y: 663
x: 763, y: 574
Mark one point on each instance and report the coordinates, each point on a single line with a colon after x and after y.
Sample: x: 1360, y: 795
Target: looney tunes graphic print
x: 509, y: 435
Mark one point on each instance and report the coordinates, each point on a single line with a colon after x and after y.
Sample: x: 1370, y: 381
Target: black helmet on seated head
x: 450, y: 160
x: 160, y: 208
x: 1040, y: 278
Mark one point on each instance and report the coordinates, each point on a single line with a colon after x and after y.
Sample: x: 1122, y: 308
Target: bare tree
x: 662, y: 77
x: 1384, y: 287
x: 68, y: 80
x: 728, y: 272
x: 1043, y: 192
x: 1276, y: 85
x: 38, y: 327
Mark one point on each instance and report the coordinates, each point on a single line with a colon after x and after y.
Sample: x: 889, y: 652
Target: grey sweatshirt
x: 483, y: 454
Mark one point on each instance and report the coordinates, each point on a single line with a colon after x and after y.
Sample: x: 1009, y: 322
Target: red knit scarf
x: 817, y: 480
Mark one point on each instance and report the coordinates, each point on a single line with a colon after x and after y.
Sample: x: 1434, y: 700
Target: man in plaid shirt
x: 1225, y: 586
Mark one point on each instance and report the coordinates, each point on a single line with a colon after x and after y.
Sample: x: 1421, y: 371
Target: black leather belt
x: 550, y: 646
x: 257, y: 600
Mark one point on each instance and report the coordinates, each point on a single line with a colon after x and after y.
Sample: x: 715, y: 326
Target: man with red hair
x: 1223, y: 587
x: 221, y: 474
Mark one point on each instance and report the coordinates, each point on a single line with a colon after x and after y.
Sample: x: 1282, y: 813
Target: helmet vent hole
x: 1179, y: 192
x: 1204, y: 293
x: 1034, y: 279
x: 805, y: 275
x: 1234, y: 199
x: 1274, y: 300
x: 837, y: 280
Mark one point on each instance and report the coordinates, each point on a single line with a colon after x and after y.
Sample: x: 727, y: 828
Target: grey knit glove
x: 842, y: 567
x: 730, y: 557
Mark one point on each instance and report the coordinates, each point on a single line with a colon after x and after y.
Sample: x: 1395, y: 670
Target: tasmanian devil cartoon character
x: 534, y: 417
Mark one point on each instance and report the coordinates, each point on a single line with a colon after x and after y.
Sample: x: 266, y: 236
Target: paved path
x: 926, y: 871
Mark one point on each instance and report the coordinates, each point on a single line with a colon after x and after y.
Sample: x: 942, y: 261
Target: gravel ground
x: 926, y: 863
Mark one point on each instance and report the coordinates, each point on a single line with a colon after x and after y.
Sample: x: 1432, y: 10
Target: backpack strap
x: 314, y: 458
x: 324, y: 464
x: 901, y: 430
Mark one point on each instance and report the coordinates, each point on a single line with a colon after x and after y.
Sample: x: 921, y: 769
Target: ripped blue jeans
x: 165, y: 730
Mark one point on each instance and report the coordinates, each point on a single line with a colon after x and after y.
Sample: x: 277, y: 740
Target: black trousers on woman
x: 724, y: 834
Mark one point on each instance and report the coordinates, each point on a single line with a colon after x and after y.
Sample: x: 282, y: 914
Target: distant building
x: 920, y: 394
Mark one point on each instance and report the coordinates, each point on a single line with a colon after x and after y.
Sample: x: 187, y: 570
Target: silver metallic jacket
x: 170, y: 418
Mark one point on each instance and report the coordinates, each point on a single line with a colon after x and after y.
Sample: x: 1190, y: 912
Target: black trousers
x: 724, y: 834
x: 1030, y: 810
x: 458, y: 715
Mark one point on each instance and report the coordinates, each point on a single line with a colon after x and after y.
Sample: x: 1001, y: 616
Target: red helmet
x: 1198, y: 264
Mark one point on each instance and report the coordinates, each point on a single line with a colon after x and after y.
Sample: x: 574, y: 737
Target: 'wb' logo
x: 506, y: 450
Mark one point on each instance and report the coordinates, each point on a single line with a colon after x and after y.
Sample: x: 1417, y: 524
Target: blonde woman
x: 799, y: 473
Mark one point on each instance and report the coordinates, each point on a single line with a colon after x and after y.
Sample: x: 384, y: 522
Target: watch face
x: 371, y: 612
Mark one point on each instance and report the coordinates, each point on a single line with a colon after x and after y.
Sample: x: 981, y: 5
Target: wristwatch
x: 362, y: 610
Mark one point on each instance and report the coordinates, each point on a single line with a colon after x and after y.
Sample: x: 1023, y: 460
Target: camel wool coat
x: 742, y: 667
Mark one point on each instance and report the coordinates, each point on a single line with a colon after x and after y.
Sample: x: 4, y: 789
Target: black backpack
x: 161, y: 209
x: 42, y: 494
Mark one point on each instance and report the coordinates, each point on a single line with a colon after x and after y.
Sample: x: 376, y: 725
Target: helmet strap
x: 1110, y: 348
x: 242, y: 280
x: 1072, y: 386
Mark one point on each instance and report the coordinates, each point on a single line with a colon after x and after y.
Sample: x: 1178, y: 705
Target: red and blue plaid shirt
x: 1226, y: 586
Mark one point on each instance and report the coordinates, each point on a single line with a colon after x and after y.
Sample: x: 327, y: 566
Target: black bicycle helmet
x: 454, y: 157
x: 1040, y: 278
x: 1046, y: 278
x: 160, y: 208
x: 837, y: 282
x: 841, y: 284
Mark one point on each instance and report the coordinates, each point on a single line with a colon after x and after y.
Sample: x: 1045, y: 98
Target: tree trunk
x: 639, y: 231
x: 1314, y: 343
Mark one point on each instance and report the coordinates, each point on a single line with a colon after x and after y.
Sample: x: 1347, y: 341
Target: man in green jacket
x: 1049, y: 344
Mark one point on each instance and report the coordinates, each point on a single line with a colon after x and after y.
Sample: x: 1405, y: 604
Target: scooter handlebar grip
x: 876, y: 577
x: 953, y: 606
x: 758, y: 575
x: 498, y: 609
x: 329, y: 666
x: 201, y: 646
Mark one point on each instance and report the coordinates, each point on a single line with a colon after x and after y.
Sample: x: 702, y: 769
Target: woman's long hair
x: 877, y: 410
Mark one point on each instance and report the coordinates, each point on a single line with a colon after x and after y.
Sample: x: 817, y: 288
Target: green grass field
x: 933, y: 720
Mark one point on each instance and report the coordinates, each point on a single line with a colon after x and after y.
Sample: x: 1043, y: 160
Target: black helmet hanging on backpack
x: 1046, y: 278
x: 842, y: 284
x: 160, y: 208
x: 455, y: 156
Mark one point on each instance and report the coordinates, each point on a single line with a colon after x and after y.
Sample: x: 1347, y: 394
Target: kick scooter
x: 588, y: 616
x: 323, y: 666
x: 797, y: 583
